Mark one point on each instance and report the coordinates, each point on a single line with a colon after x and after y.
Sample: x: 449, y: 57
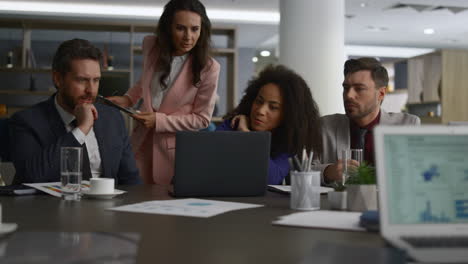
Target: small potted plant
x: 337, y: 197
x: 361, y: 188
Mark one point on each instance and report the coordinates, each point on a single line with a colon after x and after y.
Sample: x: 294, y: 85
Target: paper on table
x: 185, y: 207
x: 323, y: 219
x: 287, y: 188
x: 55, y: 188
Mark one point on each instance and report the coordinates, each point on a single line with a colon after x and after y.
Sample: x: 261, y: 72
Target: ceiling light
x: 254, y: 59
x: 88, y: 10
x: 384, y: 51
x: 244, y: 16
x: 265, y: 53
x: 363, y: 4
x: 376, y: 29
x: 429, y: 31
x: 133, y: 11
x: 451, y: 40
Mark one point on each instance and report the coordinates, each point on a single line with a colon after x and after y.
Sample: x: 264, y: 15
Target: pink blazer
x: 184, y: 107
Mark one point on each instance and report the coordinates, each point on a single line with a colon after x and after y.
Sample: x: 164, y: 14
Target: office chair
x: 4, y: 140
x: 7, y: 170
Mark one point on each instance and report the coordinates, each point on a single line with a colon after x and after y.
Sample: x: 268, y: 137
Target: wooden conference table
x: 242, y: 236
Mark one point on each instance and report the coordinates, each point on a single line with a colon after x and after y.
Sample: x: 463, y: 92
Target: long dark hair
x: 200, y: 53
x: 301, y: 125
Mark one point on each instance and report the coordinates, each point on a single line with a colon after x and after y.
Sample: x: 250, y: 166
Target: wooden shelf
x: 227, y: 50
x: 26, y: 70
x: 25, y: 92
x: 216, y: 51
x: 144, y: 28
x: 116, y: 71
x: 223, y: 51
x: 398, y: 91
x: 137, y: 50
x: 431, y: 119
x: 52, y: 24
x: 440, y: 77
x: 424, y: 103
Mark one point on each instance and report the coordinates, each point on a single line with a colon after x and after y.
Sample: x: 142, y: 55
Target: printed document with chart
x: 185, y: 207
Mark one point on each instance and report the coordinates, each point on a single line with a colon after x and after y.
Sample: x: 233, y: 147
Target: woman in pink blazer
x: 178, y: 87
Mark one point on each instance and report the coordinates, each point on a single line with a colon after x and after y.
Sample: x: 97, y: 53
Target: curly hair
x: 301, y: 125
x: 200, y: 53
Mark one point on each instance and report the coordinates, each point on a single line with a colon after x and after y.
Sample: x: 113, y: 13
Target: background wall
x: 45, y: 42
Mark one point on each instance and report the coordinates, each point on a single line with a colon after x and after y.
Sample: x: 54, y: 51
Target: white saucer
x: 102, y: 195
x: 6, y: 228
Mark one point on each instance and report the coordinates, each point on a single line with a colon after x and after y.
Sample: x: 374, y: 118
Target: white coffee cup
x: 101, y: 185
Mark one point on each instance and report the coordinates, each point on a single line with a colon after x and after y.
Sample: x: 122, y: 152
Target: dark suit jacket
x: 38, y: 133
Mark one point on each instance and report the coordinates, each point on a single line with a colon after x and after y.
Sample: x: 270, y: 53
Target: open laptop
x: 423, y: 190
x: 223, y: 163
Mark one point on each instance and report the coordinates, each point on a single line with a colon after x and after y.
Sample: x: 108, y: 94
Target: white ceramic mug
x: 101, y: 185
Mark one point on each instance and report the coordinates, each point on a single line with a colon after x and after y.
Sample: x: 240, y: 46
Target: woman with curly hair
x: 178, y: 85
x: 279, y: 101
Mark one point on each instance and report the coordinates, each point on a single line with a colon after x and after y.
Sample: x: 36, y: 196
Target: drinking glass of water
x: 351, y: 159
x: 70, y: 172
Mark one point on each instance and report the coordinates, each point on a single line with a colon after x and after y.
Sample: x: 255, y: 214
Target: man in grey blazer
x: 364, y: 89
x: 70, y: 118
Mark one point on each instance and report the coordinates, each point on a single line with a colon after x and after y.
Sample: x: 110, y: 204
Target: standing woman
x: 178, y: 87
x: 279, y: 101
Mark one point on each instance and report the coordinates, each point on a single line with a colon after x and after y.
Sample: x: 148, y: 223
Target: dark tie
x: 86, y: 173
x: 361, y: 139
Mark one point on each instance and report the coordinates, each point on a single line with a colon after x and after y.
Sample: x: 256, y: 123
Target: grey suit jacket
x: 38, y: 133
x: 336, y: 134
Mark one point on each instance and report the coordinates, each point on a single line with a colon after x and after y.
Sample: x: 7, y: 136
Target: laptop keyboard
x: 437, y: 242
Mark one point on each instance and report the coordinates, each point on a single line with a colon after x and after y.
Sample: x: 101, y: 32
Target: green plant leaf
x: 338, y: 186
x: 364, y: 174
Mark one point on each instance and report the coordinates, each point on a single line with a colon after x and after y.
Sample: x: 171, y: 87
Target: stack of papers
x: 55, y: 188
x: 185, y: 207
x: 323, y: 219
x: 287, y: 189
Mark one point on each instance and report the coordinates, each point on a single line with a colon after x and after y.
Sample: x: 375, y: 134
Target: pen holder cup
x: 305, y: 190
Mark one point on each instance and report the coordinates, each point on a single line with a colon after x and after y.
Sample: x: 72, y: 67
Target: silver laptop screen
x: 427, y: 178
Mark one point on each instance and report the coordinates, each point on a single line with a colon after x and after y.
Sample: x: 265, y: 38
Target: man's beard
x: 358, y: 113
x: 70, y: 102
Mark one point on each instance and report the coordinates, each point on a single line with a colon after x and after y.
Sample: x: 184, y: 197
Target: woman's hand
x: 242, y: 122
x: 148, y: 119
x: 123, y: 101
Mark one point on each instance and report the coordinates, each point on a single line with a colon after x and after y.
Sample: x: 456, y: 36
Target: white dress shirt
x: 90, y: 140
x: 157, y: 92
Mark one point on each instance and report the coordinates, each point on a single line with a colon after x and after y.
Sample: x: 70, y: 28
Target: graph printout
x: 185, y: 207
x: 427, y: 178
